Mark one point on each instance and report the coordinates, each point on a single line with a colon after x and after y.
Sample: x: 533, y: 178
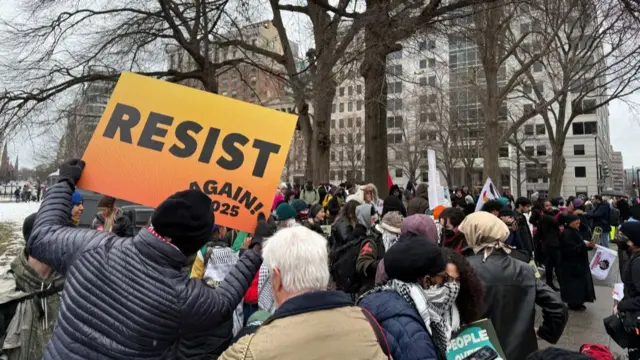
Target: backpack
x: 614, y: 216
x: 342, y: 266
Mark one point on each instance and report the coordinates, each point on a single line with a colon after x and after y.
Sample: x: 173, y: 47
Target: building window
x: 332, y: 173
x: 350, y: 122
x: 431, y: 99
x: 423, y: 64
x: 394, y: 104
x: 578, y: 149
x: 524, y: 27
x: 350, y: 106
x: 349, y: 138
x: 432, y: 81
x: 529, y: 150
x: 422, y: 81
x: 359, y: 89
x: 341, y: 123
x: 504, y: 151
x: 394, y: 122
x: 432, y: 63
x: 528, y: 129
x: 350, y: 90
x: 333, y: 139
x: 340, y: 174
x: 585, y: 128
x: 341, y: 141
x: 422, y: 45
x: 580, y: 171
x: 358, y: 138
x: 588, y: 106
x: 395, y: 55
x: 394, y: 70
x: 432, y: 136
x: 394, y: 87
x: 333, y: 124
x: 540, y: 129
x: 394, y: 138
x: 341, y: 91
x: 359, y: 105
x: 423, y: 135
x: 333, y: 108
x: 527, y: 109
x: 542, y: 150
x: 341, y: 107
x: 358, y: 122
x: 432, y: 44
x: 333, y: 158
x: 398, y: 173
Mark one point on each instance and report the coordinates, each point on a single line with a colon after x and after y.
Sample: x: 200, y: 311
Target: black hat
x: 505, y: 211
x: 393, y: 203
x: 27, y: 226
x: 410, y: 259
x: 635, y: 211
x: 631, y: 229
x: 557, y: 353
x: 569, y: 218
x: 314, y: 210
x: 186, y: 218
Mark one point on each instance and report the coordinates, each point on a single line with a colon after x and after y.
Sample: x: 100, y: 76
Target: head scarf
x: 485, y: 232
x: 421, y: 224
x: 363, y: 214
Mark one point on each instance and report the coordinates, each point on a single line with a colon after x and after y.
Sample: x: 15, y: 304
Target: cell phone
x: 484, y: 353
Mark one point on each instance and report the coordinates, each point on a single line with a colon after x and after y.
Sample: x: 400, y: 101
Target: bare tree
x: 593, y: 60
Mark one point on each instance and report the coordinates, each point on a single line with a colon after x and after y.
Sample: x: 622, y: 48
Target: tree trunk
x: 518, y: 170
x: 321, y: 138
x: 558, y: 165
x: 375, y: 105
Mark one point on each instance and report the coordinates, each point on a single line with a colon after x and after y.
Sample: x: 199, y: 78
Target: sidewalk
x: 587, y: 327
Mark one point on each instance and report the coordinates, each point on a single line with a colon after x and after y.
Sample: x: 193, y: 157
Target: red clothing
x: 251, y: 296
x: 279, y: 197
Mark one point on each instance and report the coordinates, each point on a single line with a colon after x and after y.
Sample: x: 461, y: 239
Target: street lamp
x: 595, y: 143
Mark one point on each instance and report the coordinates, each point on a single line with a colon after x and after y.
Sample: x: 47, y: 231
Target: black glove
x: 71, y: 170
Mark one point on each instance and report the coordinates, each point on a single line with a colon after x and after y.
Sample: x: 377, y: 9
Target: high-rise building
x: 617, y: 171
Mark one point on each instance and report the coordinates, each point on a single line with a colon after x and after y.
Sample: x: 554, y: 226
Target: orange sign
x: 156, y: 138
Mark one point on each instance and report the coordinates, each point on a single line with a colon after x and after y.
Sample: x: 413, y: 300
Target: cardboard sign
x: 473, y: 337
x: 156, y: 138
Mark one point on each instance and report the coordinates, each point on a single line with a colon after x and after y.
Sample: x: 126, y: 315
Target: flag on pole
x: 488, y: 193
x: 389, y: 181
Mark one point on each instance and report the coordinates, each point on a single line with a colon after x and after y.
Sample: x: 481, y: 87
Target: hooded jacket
x: 32, y: 325
x: 129, y: 299
x: 419, y: 204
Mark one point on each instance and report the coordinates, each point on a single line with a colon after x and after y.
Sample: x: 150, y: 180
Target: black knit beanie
x: 411, y: 259
x: 631, y: 229
x: 392, y: 203
x: 27, y: 226
x: 186, y: 218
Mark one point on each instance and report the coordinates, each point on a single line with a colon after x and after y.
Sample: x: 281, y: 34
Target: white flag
x: 488, y: 193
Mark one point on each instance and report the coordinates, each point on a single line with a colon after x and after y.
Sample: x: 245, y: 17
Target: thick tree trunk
x: 375, y: 105
x: 558, y: 165
x: 321, y: 138
x: 518, y: 171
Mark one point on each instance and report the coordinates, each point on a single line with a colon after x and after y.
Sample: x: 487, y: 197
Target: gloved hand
x: 71, y: 170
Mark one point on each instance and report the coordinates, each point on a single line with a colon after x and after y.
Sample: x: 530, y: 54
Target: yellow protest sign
x: 156, y: 138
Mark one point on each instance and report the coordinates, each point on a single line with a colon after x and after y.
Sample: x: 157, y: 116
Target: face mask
x: 443, y: 296
x: 449, y: 233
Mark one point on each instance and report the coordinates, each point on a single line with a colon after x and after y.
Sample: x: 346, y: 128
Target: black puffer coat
x: 128, y: 299
x: 511, y: 294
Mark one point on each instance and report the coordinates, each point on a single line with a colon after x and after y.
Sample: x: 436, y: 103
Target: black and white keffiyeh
x: 435, y: 305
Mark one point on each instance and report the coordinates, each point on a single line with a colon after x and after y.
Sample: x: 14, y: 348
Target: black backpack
x: 342, y: 265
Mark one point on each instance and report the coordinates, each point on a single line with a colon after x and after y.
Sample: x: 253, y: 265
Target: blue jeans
x: 605, y: 238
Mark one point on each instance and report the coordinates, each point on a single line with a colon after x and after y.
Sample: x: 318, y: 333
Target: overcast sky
x: 624, y: 121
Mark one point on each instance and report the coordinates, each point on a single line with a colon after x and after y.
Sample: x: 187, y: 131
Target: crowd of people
x: 333, y: 272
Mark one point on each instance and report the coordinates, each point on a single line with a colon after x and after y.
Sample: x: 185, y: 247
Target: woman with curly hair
x: 470, y: 300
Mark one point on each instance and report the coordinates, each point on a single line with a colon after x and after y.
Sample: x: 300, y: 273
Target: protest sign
x: 602, y: 262
x: 471, y: 338
x: 156, y: 138
x: 488, y: 193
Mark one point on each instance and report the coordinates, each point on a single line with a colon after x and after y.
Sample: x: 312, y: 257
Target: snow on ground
x: 11, y: 217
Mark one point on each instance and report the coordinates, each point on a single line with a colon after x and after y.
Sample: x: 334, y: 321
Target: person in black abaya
x: 574, y: 276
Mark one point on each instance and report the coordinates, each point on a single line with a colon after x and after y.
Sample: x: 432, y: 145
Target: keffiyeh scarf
x: 435, y: 305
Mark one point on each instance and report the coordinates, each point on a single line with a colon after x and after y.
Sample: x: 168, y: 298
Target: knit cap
x: 76, y: 198
x: 411, y: 259
x: 285, y: 211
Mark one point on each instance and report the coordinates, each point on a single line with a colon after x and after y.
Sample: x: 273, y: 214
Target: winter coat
x: 625, y: 210
x: 315, y: 325
x: 548, y: 232
x: 419, y: 204
x: 403, y: 327
x: 574, y: 276
x: 27, y: 335
x: 122, y: 225
x: 341, y: 231
x: 310, y: 196
x: 525, y: 233
x: 511, y: 294
x: 127, y: 298
x: 631, y: 279
x: 371, y: 253
x: 601, y: 215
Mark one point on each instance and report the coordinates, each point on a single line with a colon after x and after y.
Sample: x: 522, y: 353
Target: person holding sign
x: 127, y: 298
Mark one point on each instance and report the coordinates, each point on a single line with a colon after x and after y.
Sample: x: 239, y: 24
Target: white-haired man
x: 310, y: 322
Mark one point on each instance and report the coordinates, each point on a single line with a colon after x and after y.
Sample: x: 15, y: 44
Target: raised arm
x: 53, y: 241
x: 205, y: 307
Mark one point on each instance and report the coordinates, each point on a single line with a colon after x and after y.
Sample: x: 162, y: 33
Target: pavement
x: 587, y: 326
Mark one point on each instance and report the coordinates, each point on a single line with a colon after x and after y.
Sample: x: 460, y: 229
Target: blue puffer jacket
x: 405, y: 331
x: 125, y: 298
